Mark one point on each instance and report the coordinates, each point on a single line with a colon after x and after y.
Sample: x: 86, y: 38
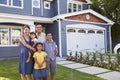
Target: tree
x: 110, y: 9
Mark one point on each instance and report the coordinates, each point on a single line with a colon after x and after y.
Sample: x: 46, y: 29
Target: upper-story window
x: 36, y: 3
x: 4, y: 2
x: 12, y: 3
x: 17, y: 3
x: 74, y: 6
x: 46, y: 5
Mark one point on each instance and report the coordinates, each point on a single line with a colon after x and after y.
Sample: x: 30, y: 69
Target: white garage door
x: 83, y: 37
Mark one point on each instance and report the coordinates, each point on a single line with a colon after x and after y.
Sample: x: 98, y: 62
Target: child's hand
x: 28, y: 60
x: 40, y: 65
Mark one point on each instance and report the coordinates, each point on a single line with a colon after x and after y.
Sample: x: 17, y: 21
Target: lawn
x: 9, y: 71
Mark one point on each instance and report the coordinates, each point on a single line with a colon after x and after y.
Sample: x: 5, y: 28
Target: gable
x: 86, y: 17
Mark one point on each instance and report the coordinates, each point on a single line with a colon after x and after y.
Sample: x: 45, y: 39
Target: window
x: 3, y: 2
x: 9, y: 35
x: 17, y: 3
x: 46, y: 5
x: 36, y: 3
x: 74, y: 7
x: 15, y: 34
x: 12, y: 3
x: 81, y: 31
x: 4, y: 36
x: 99, y: 32
x: 91, y: 31
x: 71, y: 30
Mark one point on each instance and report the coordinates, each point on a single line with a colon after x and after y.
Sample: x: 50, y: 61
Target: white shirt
x: 41, y: 37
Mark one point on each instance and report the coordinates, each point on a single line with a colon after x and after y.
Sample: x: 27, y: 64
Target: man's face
x: 39, y: 28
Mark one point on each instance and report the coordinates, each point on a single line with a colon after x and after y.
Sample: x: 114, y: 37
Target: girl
x: 33, y: 44
x: 40, y: 62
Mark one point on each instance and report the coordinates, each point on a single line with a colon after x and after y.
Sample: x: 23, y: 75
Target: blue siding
x: 63, y: 6
x: 9, y: 52
x: 25, y: 11
x: 55, y: 8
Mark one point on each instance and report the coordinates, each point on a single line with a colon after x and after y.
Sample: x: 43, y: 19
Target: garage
x: 85, y: 38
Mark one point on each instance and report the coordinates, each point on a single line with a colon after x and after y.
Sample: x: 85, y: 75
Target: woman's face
x: 26, y: 31
x: 39, y: 47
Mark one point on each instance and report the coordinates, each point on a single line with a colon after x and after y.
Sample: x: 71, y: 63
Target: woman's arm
x: 25, y: 44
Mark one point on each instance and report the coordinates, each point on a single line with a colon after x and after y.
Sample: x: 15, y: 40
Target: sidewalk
x: 100, y: 72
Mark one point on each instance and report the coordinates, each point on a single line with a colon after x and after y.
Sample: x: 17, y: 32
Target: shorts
x: 39, y: 73
x: 51, y: 67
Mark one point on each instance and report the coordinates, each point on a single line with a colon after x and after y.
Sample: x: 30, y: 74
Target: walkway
x: 100, y: 72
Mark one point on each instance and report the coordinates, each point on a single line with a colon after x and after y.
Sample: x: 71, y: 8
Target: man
x: 51, y: 49
x: 39, y: 33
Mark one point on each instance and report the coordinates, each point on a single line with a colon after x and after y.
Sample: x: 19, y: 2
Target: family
x: 38, y: 55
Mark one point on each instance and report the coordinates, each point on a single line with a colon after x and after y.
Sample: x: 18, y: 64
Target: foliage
x: 100, y: 60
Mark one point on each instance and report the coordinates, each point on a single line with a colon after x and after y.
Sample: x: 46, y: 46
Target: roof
x: 62, y: 16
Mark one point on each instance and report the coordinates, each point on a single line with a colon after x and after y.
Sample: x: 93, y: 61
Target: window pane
x: 3, y: 2
x: 100, y: 32
x: 79, y: 7
x: 81, y: 31
x: 71, y: 30
x: 15, y: 34
x: 91, y: 31
x: 4, y: 36
x: 74, y: 5
x: 70, y: 5
x: 17, y: 3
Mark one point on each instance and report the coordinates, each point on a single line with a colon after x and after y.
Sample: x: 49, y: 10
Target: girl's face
x: 26, y: 31
x: 32, y: 36
x: 39, y: 47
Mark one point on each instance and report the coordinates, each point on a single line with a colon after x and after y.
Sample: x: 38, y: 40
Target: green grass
x: 9, y: 71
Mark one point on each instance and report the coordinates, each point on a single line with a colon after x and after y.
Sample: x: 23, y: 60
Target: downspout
x: 110, y: 39
x: 59, y: 29
x: 60, y: 40
x: 42, y: 7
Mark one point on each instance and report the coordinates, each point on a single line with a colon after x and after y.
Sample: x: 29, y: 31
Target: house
x: 74, y: 25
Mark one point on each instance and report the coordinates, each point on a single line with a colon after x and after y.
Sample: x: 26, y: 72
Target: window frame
x: 72, y: 7
x: 33, y: 6
x: 5, y: 4
x: 10, y: 34
x: 22, y: 4
x: 46, y: 2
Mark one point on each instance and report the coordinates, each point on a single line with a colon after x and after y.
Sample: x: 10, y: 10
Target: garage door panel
x: 86, y: 41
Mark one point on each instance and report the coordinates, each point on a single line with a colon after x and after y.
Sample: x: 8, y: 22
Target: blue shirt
x: 49, y: 48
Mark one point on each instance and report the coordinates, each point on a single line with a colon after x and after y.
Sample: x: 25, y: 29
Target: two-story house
x: 75, y: 27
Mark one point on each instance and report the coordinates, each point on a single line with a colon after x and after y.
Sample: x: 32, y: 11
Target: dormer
x: 77, y: 5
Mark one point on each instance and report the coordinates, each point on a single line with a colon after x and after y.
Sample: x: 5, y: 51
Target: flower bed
x: 97, y: 59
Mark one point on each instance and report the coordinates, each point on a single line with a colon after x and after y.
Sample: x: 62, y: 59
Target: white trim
x: 25, y: 18
x: 62, y: 16
x: 60, y: 39
x: 85, y: 26
x: 48, y: 3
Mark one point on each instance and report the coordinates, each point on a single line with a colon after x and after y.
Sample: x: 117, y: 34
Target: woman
x: 25, y: 69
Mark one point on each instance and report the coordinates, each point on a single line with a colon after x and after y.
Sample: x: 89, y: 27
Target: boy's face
x: 49, y: 36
